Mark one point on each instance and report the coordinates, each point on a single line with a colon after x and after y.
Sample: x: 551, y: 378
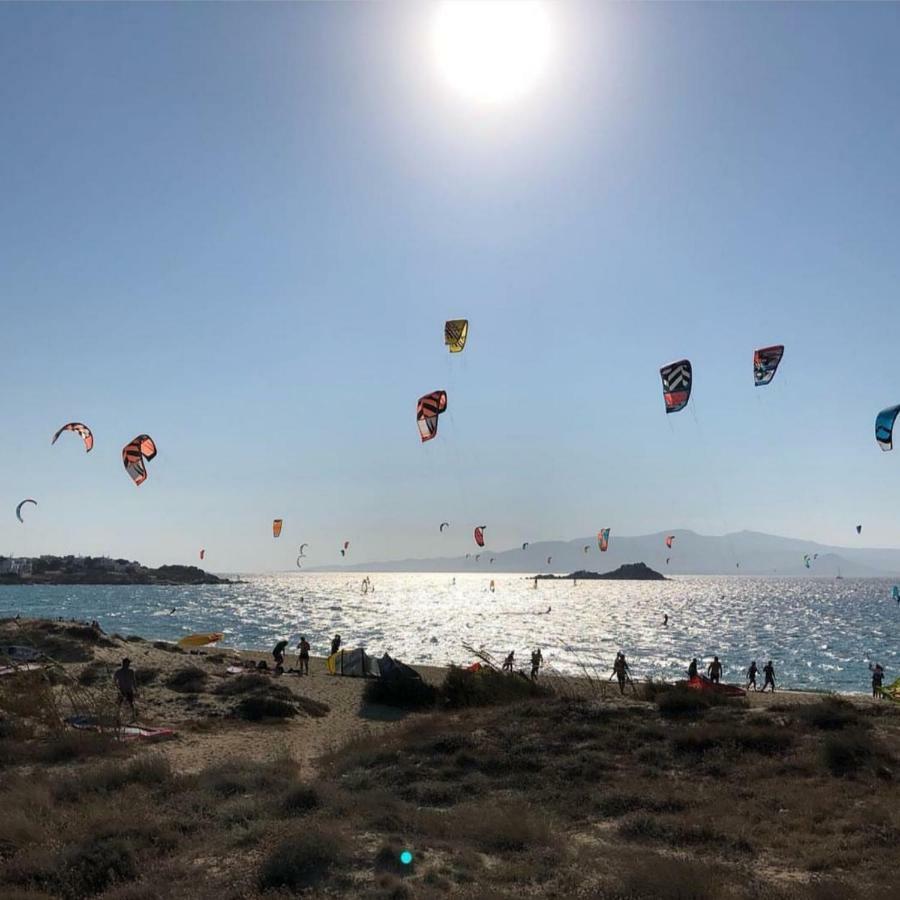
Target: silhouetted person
x: 127, y: 684
x: 536, y: 660
x: 509, y: 662
x: 303, y: 647
x: 666, y: 620
x: 620, y: 670
x: 692, y: 669
x: 769, y: 672
x: 714, y: 670
x: 335, y: 644
x: 877, y: 681
x: 278, y: 653
x: 751, y: 676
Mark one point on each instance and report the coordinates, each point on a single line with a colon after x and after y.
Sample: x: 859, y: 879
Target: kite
x: 676, y: 379
x: 669, y: 539
x: 135, y: 453
x: 549, y: 559
x: 443, y: 526
x: 299, y: 564
x: 765, y: 363
x: 427, y: 411
x: 525, y: 545
x: 455, y: 333
x: 302, y: 554
x: 859, y: 529
x: 86, y: 434
x: 477, y: 557
x: 19, y: 508
x: 806, y: 560
x: 479, y: 534
x: 276, y: 527
x: 603, y: 539
x: 468, y: 555
x: 492, y: 560
x: 884, y: 427
x: 345, y: 548
x: 667, y: 559
x: 587, y: 547
x: 202, y: 554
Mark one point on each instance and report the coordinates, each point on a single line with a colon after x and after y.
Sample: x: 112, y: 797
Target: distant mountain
x: 741, y: 553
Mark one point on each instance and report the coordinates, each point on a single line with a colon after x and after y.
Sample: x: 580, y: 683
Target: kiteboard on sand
x: 123, y: 732
x: 200, y: 640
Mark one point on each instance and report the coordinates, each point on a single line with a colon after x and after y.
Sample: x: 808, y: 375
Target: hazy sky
x: 240, y: 228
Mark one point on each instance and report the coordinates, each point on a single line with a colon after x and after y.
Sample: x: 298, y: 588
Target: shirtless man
x: 127, y: 685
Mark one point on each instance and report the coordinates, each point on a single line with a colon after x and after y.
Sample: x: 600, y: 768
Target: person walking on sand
x: 714, y: 670
x: 335, y: 644
x: 509, y: 662
x: 536, y: 660
x: 769, y: 672
x: 620, y: 671
x: 303, y: 647
x: 127, y: 684
x: 692, y: 669
x: 751, y: 676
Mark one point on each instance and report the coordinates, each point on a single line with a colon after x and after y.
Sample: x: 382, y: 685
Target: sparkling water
x: 820, y: 634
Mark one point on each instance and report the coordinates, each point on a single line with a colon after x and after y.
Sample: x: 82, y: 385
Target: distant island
x: 628, y: 572
x: 97, y: 570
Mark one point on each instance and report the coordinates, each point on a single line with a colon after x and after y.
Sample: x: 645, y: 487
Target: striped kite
x: 603, y: 539
x: 134, y: 455
x: 765, y: 363
x: 277, y: 525
x: 428, y: 409
x: 80, y: 429
x: 677, y: 378
x: 455, y: 333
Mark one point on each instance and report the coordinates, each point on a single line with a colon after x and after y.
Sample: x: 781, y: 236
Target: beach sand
x: 206, y: 733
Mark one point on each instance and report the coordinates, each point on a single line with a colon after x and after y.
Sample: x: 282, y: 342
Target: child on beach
x: 303, y: 647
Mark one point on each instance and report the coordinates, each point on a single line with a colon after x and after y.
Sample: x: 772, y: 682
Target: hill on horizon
x: 739, y: 553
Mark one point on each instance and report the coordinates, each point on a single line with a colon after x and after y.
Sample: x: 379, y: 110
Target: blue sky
x: 240, y: 228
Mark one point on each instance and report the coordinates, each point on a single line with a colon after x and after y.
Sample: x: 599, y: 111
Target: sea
x: 821, y: 634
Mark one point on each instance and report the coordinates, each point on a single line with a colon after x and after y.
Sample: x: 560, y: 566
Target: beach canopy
x: 355, y: 663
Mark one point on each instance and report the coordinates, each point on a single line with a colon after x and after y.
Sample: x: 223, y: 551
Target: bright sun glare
x: 492, y: 51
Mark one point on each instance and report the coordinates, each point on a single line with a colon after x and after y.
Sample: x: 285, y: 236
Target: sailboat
x: 839, y: 577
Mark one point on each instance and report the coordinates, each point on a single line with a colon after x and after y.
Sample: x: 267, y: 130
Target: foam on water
x: 820, y: 634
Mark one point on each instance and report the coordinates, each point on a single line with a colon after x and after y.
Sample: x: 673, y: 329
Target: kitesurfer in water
x: 303, y: 658
x: 692, y: 669
x: 536, y: 661
x: 751, y: 676
x: 127, y: 684
x: 172, y: 611
x: 769, y: 672
x: 665, y: 620
x: 714, y: 670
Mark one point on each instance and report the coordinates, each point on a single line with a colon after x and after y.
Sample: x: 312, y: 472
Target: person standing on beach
x: 620, y: 670
x: 714, y: 670
x: 877, y: 681
x: 751, y: 676
x: 536, y: 660
x: 769, y: 672
x: 127, y: 684
x: 303, y: 647
x: 692, y: 669
x: 509, y: 662
x: 335, y: 644
x: 278, y: 653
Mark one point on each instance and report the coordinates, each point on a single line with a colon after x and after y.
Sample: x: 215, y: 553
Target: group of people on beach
x: 303, y: 648
x: 537, y: 660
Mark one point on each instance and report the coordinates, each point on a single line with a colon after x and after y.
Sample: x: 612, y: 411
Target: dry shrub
x: 502, y: 826
x: 765, y: 740
x: 487, y: 687
x: 187, y: 680
x: 845, y: 754
x: 167, y: 646
x: 830, y: 714
x: 313, y: 708
x: 678, y: 834
x: 301, y: 800
x: 149, y: 770
x: 304, y: 858
x: 665, y: 878
x: 257, y: 707
x: 91, y: 866
x: 248, y: 684
x: 273, y: 778
x: 93, y: 672
x: 679, y: 701
x: 616, y: 805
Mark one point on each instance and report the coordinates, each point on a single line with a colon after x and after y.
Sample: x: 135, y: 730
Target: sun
x: 491, y: 51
